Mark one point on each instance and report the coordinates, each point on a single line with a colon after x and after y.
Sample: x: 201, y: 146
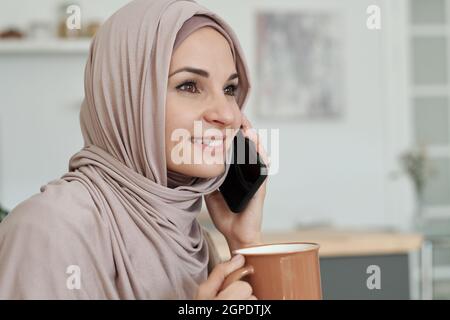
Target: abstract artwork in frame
x: 299, y: 65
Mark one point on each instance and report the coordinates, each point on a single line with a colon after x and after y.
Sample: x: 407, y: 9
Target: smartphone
x: 245, y: 176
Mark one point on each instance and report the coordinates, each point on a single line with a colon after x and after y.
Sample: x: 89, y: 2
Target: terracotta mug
x: 280, y: 271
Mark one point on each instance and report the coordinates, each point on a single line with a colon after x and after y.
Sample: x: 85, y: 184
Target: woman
x: 121, y: 224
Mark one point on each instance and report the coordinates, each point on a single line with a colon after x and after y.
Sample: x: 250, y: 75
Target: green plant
x: 416, y: 164
x: 3, y: 213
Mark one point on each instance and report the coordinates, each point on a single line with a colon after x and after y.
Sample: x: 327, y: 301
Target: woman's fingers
x: 250, y: 132
x: 246, y: 124
x: 209, y: 288
x: 238, y: 290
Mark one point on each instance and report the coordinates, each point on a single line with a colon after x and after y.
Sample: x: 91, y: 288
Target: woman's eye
x: 189, y: 86
x: 233, y: 89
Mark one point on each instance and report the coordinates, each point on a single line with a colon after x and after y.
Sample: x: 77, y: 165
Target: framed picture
x: 299, y: 64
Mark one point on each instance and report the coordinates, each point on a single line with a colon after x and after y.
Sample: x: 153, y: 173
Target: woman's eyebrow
x: 200, y: 72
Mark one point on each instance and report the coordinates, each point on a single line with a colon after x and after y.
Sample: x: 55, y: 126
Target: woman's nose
x: 221, y: 112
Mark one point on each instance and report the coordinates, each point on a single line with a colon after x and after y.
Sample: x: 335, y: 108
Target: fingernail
x: 237, y: 258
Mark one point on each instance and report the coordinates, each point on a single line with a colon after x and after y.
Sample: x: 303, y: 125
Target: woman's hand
x: 243, y: 229
x: 238, y: 290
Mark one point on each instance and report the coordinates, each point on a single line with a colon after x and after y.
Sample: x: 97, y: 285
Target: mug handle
x: 236, y: 275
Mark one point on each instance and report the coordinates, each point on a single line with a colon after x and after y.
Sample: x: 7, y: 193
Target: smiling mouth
x: 208, y: 142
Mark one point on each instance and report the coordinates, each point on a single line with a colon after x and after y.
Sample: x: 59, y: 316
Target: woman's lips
x: 209, y: 143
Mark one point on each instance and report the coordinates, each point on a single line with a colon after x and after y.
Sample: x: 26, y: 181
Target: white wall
x: 336, y: 171
x: 332, y: 171
x: 39, y: 120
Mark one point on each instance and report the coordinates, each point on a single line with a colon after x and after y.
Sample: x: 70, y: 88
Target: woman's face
x: 202, y: 98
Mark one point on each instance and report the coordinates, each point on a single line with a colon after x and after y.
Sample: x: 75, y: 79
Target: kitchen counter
x: 348, y: 256
x: 339, y: 242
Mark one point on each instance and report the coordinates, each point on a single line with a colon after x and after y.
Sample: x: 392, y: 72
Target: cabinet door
x: 346, y: 278
x: 430, y: 102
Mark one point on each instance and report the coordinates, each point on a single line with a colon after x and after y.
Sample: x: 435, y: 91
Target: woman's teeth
x: 209, y: 143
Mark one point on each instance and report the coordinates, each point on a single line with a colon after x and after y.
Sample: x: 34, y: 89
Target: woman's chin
x: 202, y: 170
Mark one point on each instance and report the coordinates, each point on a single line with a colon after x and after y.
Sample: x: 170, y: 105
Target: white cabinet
x: 429, y: 54
x: 41, y: 90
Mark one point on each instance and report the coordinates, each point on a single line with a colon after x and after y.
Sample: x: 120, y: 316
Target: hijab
x: 147, y: 215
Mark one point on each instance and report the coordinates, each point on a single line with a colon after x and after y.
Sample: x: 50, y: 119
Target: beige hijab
x: 118, y: 214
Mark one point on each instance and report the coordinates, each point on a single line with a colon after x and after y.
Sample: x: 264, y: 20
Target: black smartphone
x: 245, y: 176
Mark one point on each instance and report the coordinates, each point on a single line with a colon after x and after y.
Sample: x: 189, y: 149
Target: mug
x: 280, y: 271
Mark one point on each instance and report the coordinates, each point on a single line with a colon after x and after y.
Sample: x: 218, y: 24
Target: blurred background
x: 357, y: 91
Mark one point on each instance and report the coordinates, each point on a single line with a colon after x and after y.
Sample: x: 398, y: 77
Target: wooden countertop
x: 339, y: 242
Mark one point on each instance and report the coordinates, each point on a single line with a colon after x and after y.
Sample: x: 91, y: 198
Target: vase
x: 417, y: 223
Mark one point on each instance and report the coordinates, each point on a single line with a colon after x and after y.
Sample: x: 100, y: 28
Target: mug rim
x: 314, y: 246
